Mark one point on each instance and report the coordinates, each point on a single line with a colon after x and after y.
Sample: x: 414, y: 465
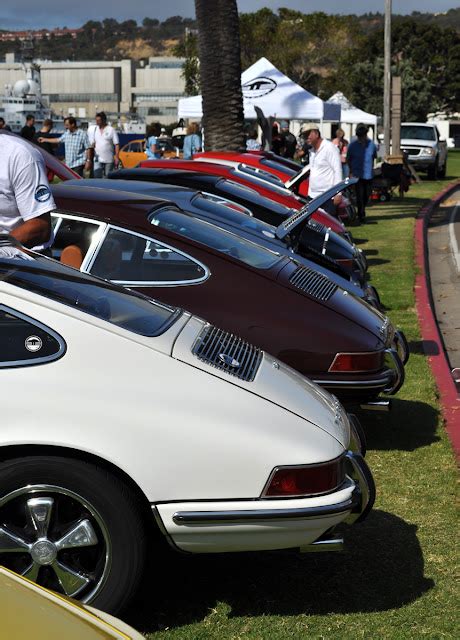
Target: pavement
x: 437, y: 292
x: 443, y: 236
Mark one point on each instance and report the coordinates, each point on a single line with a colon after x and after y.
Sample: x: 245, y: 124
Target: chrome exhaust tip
x: 328, y: 544
x: 377, y: 405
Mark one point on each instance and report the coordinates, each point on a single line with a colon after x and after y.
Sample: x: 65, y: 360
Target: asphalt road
x: 444, y: 265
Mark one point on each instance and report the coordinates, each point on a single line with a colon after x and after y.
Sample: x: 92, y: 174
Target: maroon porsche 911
x: 290, y: 310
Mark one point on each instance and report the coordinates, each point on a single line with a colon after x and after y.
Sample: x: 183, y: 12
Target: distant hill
x: 110, y: 39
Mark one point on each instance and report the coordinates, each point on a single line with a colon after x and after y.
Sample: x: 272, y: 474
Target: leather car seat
x: 72, y: 256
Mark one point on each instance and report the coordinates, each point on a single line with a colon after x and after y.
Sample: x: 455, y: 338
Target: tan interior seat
x: 72, y: 255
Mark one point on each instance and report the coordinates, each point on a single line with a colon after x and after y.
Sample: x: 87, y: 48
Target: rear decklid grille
x: 315, y: 284
x: 227, y: 352
x: 316, y: 226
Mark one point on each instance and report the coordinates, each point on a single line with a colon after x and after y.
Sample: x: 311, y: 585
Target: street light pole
x: 387, y: 78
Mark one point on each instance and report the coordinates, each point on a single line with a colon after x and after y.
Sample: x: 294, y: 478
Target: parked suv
x: 425, y: 147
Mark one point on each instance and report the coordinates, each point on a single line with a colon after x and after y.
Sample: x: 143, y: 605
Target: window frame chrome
x: 149, y: 283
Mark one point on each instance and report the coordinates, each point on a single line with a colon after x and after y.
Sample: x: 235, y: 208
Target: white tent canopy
x: 350, y: 113
x: 264, y: 86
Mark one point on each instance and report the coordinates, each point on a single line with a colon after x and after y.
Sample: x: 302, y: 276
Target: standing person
x: 3, y: 125
x: 152, y: 148
x: 25, y: 196
x: 78, y: 152
x: 342, y: 145
x: 192, y: 141
x: 325, y: 167
x: 288, y: 145
x: 28, y: 130
x: 104, y: 140
x: 44, y: 133
x: 252, y: 143
x: 360, y: 157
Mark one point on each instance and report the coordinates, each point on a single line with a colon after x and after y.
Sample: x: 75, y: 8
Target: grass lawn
x: 397, y: 577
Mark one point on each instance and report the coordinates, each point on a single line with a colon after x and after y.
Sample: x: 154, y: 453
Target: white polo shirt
x: 104, y: 141
x: 24, y: 187
x: 325, y: 168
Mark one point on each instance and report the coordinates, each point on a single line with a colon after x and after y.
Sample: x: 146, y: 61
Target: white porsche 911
x: 119, y: 413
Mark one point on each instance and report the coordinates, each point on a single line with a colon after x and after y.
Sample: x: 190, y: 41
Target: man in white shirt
x: 104, y: 140
x: 325, y: 167
x: 25, y: 196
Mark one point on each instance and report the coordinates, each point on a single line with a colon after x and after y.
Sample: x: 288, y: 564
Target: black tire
x: 442, y: 170
x: 75, y: 493
x: 433, y: 171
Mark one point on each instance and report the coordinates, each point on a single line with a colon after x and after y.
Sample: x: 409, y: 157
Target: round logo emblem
x: 43, y: 552
x: 229, y: 361
x: 33, y: 343
x: 42, y: 193
x: 258, y: 87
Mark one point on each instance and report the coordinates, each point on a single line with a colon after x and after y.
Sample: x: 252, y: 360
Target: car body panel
x: 29, y: 611
x: 213, y: 450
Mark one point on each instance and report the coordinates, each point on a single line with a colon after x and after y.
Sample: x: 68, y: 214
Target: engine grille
x: 315, y: 284
x: 228, y: 352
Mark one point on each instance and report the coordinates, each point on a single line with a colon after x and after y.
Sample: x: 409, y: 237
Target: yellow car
x: 134, y: 152
x: 29, y: 611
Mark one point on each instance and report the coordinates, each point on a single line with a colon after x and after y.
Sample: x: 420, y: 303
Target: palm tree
x: 220, y: 72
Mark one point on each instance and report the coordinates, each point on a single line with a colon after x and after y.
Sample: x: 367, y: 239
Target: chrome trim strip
x: 365, y: 487
x: 255, y: 515
x: 393, y: 361
x: 367, y: 384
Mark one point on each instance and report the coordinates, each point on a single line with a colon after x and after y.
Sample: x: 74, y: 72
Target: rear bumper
x: 249, y: 525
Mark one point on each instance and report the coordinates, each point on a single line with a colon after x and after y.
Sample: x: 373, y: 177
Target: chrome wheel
x: 56, y: 538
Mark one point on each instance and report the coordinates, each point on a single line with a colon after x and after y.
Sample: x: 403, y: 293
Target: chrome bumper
x: 394, y: 363
x: 401, y: 346
x: 359, y: 504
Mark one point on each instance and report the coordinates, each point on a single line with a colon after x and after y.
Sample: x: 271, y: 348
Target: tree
x: 188, y: 49
x: 220, y: 71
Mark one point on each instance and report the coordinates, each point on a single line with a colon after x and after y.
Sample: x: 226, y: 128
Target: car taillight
x: 289, y: 482
x: 346, y: 264
x: 357, y: 362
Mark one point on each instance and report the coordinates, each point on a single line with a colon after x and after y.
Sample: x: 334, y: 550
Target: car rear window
x: 251, y: 196
x: 98, y: 298
x: 215, y: 237
x: 280, y: 167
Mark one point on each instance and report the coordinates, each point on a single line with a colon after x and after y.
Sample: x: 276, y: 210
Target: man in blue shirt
x: 78, y: 152
x: 360, y: 158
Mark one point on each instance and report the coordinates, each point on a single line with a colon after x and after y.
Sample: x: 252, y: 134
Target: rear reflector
x: 357, y: 362
x: 307, y: 480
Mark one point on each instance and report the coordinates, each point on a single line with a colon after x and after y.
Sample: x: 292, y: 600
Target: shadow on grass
x: 382, y: 568
x: 409, y: 425
x: 372, y: 262
x: 424, y: 347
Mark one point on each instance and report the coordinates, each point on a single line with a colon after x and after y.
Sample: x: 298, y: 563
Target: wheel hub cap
x: 43, y: 552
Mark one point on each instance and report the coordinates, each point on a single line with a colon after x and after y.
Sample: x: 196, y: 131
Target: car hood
x: 299, y: 219
x: 417, y: 142
x: 272, y: 380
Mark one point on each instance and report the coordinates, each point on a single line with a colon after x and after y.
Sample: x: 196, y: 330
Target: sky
x: 40, y: 14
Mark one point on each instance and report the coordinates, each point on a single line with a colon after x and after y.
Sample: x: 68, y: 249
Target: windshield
x: 215, y: 237
x: 251, y: 196
x: 416, y: 132
x: 90, y: 295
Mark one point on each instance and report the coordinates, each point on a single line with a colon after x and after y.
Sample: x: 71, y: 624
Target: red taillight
x: 308, y: 480
x: 357, y: 362
x: 346, y: 264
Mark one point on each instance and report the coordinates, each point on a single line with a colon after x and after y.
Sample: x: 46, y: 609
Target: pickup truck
x: 426, y: 149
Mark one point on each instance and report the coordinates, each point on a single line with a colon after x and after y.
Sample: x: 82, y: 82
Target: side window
x: 128, y: 258
x: 73, y: 237
x: 25, y: 342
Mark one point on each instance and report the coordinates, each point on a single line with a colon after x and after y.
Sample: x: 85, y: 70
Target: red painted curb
x: 449, y: 398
